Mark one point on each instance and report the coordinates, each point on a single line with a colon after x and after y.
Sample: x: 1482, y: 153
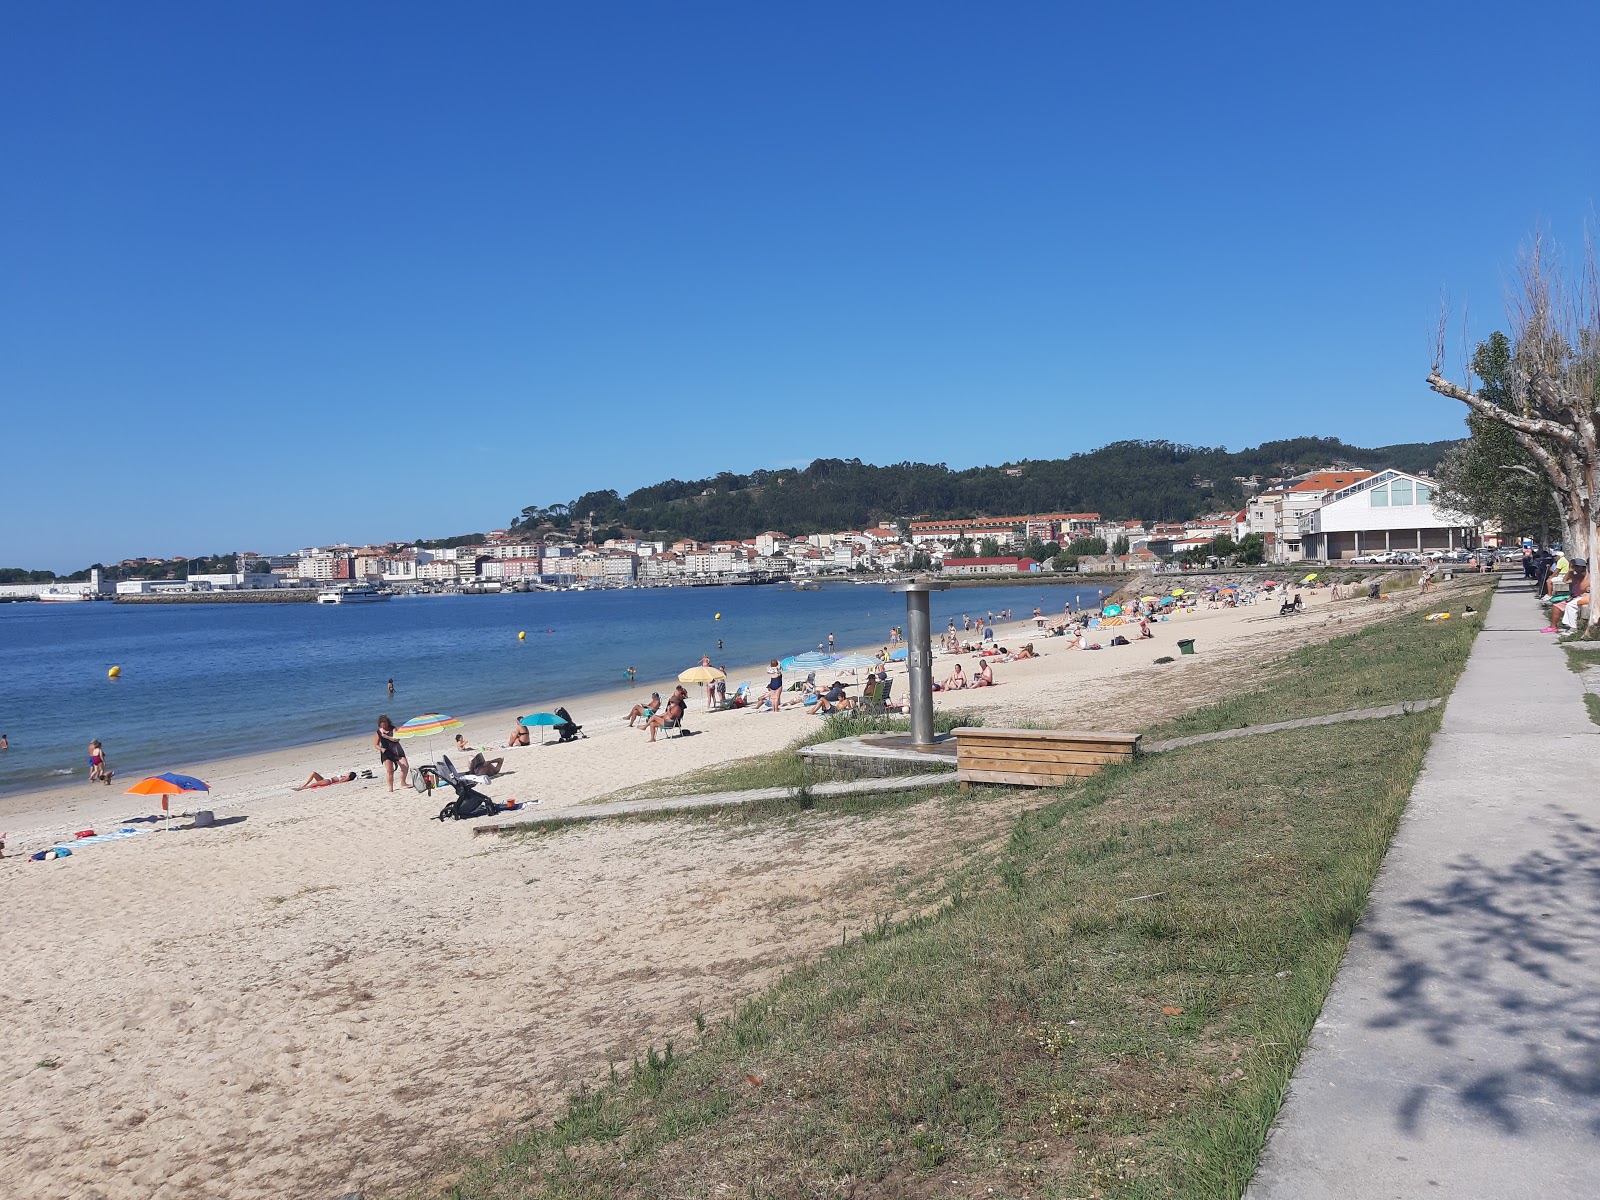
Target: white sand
x: 330, y: 990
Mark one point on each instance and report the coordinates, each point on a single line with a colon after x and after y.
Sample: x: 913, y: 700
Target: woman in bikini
x: 390, y: 754
x: 317, y: 780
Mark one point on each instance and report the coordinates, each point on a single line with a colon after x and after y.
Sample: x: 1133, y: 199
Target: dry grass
x: 1109, y: 1007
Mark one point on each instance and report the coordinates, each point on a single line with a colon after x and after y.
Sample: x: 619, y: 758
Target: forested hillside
x: 1157, y: 480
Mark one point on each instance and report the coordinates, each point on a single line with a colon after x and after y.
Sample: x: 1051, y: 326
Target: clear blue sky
x: 280, y: 274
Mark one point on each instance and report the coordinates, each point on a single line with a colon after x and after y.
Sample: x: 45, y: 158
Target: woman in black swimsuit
x: 390, y: 754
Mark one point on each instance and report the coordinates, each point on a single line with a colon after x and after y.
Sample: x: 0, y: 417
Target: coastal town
x: 1330, y: 515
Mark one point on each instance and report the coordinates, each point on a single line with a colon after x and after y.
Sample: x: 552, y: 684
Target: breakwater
x: 264, y: 596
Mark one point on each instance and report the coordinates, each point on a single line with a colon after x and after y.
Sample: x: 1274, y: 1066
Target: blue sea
x: 202, y: 682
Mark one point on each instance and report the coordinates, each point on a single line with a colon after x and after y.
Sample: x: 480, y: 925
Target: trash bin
x: 1186, y: 646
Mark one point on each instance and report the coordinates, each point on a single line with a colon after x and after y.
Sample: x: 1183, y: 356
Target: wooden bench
x: 1037, y: 757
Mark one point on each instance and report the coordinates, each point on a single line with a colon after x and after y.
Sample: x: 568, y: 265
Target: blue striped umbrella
x: 811, y: 660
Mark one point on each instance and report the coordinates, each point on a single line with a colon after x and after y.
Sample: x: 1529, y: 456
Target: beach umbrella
x: 1148, y: 599
x: 1309, y: 577
x: 811, y: 660
x: 700, y: 675
x: 170, y: 784
x: 1112, y: 610
x: 899, y: 655
x: 427, y: 725
x: 1269, y: 583
x: 1166, y: 600
x: 541, y: 720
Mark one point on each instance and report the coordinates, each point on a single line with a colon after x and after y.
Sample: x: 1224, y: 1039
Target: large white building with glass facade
x: 1391, y: 510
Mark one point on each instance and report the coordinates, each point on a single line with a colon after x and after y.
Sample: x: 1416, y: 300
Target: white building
x: 1391, y: 510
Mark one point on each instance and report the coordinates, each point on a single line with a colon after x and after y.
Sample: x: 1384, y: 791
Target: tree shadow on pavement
x: 1510, y: 980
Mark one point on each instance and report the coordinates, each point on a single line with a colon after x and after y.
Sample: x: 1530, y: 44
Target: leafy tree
x: 1548, y: 396
x: 1223, y: 546
x: 989, y: 549
x: 1120, y: 546
x: 1091, y: 545
x: 1252, y: 550
x: 1490, y: 478
x: 1064, y: 562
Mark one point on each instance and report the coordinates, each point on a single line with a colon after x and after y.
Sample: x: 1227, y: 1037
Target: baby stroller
x: 469, y: 801
x: 568, y: 729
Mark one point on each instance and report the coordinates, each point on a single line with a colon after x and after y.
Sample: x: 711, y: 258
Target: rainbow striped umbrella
x: 425, y: 724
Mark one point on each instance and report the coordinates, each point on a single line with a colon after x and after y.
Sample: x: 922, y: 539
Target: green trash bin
x: 1186, y: 646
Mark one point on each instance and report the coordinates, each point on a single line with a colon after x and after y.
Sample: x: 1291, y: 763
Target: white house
x: 1391, y: 510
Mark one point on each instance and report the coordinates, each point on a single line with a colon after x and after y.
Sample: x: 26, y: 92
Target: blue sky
x: 273, y: 275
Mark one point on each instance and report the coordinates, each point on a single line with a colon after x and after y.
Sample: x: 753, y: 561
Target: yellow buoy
x: 719, y: 616
x: 523, y: 636
x: 114, y: 673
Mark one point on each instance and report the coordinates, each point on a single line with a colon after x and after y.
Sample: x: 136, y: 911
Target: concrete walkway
x: 1458, y: 1054
x: 671, y: 804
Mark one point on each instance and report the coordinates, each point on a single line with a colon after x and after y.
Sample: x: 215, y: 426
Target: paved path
x: 632, y: 808
x: 1404, y: 708
x: 1458, y: 1055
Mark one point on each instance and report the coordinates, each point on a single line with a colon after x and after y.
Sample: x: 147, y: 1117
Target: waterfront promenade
x: 1458, y: 1054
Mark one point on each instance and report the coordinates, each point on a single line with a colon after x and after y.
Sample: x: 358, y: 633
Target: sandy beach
x: 328, y: 991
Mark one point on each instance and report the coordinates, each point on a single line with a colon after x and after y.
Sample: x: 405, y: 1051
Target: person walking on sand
x: 97, y: 762
x: 390, y: 754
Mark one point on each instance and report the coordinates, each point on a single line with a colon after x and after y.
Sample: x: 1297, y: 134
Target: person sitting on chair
x: 647, y: 710
x: 673, y: 713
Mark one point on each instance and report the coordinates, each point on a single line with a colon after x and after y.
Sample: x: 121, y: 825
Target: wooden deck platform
x: 1037, y: 757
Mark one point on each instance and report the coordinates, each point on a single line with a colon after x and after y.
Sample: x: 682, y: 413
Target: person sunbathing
x: 672, y: 714
x: 520, y: 736
x: 316, y: 780
x: 485, y: 766
x: 833, y: 700
x: 956, y: 681
x: 647, y: 710
x: 984, y: 677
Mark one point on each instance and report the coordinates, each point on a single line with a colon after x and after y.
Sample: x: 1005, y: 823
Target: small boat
x: 62, y: 595
x: 358, y: 593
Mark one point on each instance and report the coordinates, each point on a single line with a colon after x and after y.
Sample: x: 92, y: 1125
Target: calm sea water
x: 208, y: 681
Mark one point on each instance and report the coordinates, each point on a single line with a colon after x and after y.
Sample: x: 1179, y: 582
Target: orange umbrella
x: 170, y: 784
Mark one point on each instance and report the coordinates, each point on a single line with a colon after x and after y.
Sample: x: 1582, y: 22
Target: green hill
x: 1159, y: 480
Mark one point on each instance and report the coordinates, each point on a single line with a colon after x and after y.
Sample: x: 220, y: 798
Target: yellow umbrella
x: 1148, y: 599
x: 1177, y: 591
x: 700, y: 675
x: 1309, y: 577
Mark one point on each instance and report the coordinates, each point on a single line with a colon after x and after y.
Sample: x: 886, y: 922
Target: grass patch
x: 1113, y: 1009
x: 780, y: 768
x: 1401, y: 658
